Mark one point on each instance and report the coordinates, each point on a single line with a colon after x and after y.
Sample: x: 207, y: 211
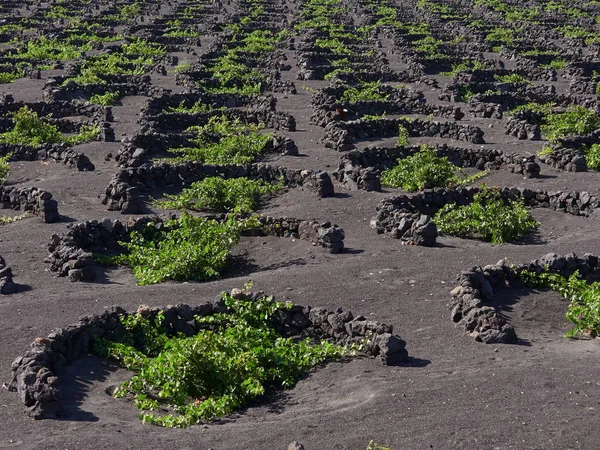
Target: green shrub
x: 231, y: 362
x: 95, y: 69
x: 186, y: 249
x: 487, y: 217
x: 512, y: 78
x: 557, y: 64
x: 13, y: 219
x: 29, y: 129
x: 52, y: 49
x: 224, y: 141
x: 466, y: 65
x: 592, y: 157
x: 10, y: 76
x: 239, y: 195
x: 106, y: 99
x: 86, y: 133
x: 140, y: 47
x: 584, y: 309
x: 422, y: 170
x: 4, y: 167
x: 364, y: 92
x: 576, y: 120
x: 339, y: 71
x: 466, y: 93
x: 196, y: 108
x: 233, y: 76
x: 403, y: 136
x: 541, y: 108
x: 425, y: 170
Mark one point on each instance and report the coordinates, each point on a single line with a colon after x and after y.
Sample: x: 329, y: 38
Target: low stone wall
x: 32, y: 199
x: 409, y: 217
x: 484, y: 110
x: 55, y: 152
x: 522, y: 129
x: 472, y: 298
x: 71, y: 254
x: 327, y: 101
x: 143, y: 147
x: 253, y: 109
x: 568, y: 153
x: 57, y: 109
x: 180, y: 120
x: 567, y: 159
x: 326, y: 235
x: 341, y: 136
x: 7, y: 286
x: 126, y: 189
x: 361, y: 169
x: 36, y: 374
x: 54, y: 90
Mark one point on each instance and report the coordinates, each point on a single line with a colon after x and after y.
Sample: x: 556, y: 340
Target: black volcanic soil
x: 454, y: 393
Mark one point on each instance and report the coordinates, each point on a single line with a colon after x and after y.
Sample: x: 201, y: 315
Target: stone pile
x: 361, y: 169
x: 327, y: 101
x: 71, y: 254
x: 408, y: 218
x: 55, y: 152
x: 142, y: 148
x: 125, y: 191
x: 7, y: 286
x: 36, y: 374
x: 127, y: 85
x: 567, y: 159
x: 472, y: 298
x: 568, y: 153
x: 33, y: 200
x: 58, y: 109
x: 253, y: 109
x: 341, y: 136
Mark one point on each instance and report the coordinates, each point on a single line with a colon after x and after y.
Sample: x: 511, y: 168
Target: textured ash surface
x: 455, y: 393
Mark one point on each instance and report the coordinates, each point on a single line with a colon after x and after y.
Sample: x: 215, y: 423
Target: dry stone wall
x: 36, y: 374
x: 471, y: 303
x: 33, y: 200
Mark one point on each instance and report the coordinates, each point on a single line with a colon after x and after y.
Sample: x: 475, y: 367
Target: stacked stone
x: 341, y: 136
x: 143, y: 147
x: 471, y: 299
x: 35, y: 375
x: 409, y: 217
x: 124, y: 192
x: 57, y: 152
x: 33, y: 200
x: 71, y: 254
x: 485, y: 110
x: 60, y: 88
x: 324, y: 234
x: 568, y: 153
x: 254, y: 109
x: 360, y: 169
x: 326, y: 101
x: 523, y: 130
x: 7, y: 286
x: 57, y: 109
x: 567, y: 159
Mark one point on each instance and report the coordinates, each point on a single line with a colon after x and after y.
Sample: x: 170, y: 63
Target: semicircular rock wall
x: 36, y: 374
x: 472, y: 297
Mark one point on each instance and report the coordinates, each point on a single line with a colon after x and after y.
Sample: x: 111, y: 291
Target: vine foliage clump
x: 234, y: 358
